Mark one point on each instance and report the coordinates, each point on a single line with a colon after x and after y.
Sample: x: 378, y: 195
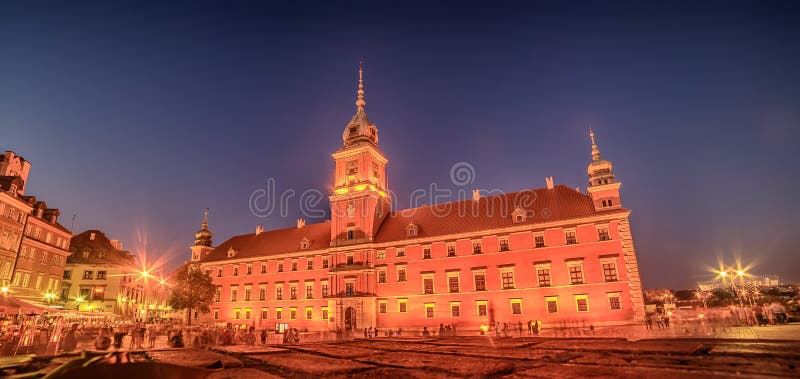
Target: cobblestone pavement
x: 521, y: 357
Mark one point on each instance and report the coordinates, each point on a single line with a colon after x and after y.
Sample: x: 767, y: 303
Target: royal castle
x: 548, y: 254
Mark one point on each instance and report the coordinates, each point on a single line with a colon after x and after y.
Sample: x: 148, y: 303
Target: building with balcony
x: 547, y: 254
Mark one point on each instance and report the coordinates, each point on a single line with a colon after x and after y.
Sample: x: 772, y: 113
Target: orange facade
x: 551, y: 254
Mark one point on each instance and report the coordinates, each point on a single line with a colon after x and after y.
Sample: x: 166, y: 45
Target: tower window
x: 351, y: 234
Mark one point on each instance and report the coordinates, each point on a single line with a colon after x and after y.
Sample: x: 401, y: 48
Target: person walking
x: 264, y: 337
x: 71, y: 339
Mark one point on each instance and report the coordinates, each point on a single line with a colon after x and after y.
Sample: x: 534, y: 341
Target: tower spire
x: 595, y: 149
x: 203, y: 236
x: 360, y: 103
x: 205, y: 220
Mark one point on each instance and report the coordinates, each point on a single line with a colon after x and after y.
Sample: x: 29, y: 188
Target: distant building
x: 40, y: 254
x: 748, y: 282
x: 547, y: 254
x: 100, y: 276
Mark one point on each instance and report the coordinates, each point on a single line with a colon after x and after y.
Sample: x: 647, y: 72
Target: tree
x: 193, y: 290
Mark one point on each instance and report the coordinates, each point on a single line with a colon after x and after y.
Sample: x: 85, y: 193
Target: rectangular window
x: 602, y: 233
x: 610, y: 272
x: 293, y: 291
x: 67, y: 274
x: 516, y: 306
x: 401, y: 253
x: 325, y: 262
x: 280, y: 267
x: 571, y: 239
x: 324, y: 289
x: 452, y: 283
x: 247, y: 314
x: 538, y: 240
x: 309, y: 313
x: 575, y: 274
x: 427, y: 284
x: 216, y: 314
x: 309, y: 264
x: 235, y: 270
x: 552, y: 304
x: 401, y: 274
x: 426, y: 253
x: 247, y: 293
x: 309, y: 291
x: 455, y: 309
x: 349, y: 289
x: 483, y: 306
x: 503, y: 245
x: 451, y: 250
x: 279, y: 292
x: 476, y: 248
x: 429, y: 310
x: 508, y: 279
x: 294, y: 265
x: 218, y: 294
x: 278, y: 313
x: 582, y: 303
x: 83, y: 293
x: 382, y: 306
x: 262, y: 292
x: 219, y: 272
x: 350, y: 259
x: 249, y: 269
x: 480, y: 281
x: 88, y: 274
x: 264, y: 313
x: 614, y: 301
x: 382, y: 276
x: 325, y: 313
x: 234, y: 293
x: 263, y: 268
x: 380, y: 255
x: 543, y: 275
x: 293, y: 313
x: 402, y: 305
x: 237, y: 313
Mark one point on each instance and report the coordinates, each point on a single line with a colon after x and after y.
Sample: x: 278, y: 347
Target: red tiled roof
x: 491, y: 212
x: 100, y: 244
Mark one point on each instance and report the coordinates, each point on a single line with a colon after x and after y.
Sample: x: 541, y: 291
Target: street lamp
x: 78, y: 301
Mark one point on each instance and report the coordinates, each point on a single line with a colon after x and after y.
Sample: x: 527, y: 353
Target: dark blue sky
x: 139, y: 116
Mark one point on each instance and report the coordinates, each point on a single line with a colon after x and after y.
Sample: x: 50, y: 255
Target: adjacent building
x: 550, y: 254
x: 34, y: 245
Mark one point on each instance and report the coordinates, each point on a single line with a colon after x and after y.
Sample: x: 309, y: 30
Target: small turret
x: 603, y: 187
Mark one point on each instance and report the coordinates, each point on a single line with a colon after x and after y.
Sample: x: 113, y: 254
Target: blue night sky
x: 138, y: 116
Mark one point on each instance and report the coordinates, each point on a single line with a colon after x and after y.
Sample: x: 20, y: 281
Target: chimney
x: 91, y: 236
x: 300, y: 223
x: 549, y: 181
x: 476, y: 195
x: 259, y: 229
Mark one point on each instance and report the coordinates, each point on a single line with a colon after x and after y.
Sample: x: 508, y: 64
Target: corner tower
x: 603, y: 187
x: 359, y: 199
x: 202, y: 243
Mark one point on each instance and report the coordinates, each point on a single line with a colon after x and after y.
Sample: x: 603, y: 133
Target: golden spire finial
x: 595, y: 149
x: 205, y: 219
x: 360, y: 103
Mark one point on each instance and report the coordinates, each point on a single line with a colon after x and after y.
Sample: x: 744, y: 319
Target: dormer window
x: 304, y: 243
x: 351, y: 234
x: 412, y: 230
x: 85, y: 254
x: 13, y: 190
x: 231, y: 252
x: 518, y: 215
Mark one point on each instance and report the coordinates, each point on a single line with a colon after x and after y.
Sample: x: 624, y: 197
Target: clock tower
x: 359, y: 200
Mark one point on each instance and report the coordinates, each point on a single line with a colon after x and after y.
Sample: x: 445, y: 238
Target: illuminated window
x: 382, y: 306
x: 455, y: 309
x: 380, y: 255
x: 264, y: 313
x: 429, y: 310
x: 480, y: 281
x: 237, y: 313
x: 309, y: 313
x: 325, y: 313
x: 293, y: 313
x: 402, y: 305
x: 582, y: 303
x: 552, y: 304
x: 278, y: 313
x: 247, y: 314
x: 614, y: 301
x: 516, y: 306
x: 483, y: 306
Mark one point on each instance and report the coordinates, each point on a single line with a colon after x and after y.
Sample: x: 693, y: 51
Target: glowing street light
x: 4, y: 290
x: 145, y: 275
